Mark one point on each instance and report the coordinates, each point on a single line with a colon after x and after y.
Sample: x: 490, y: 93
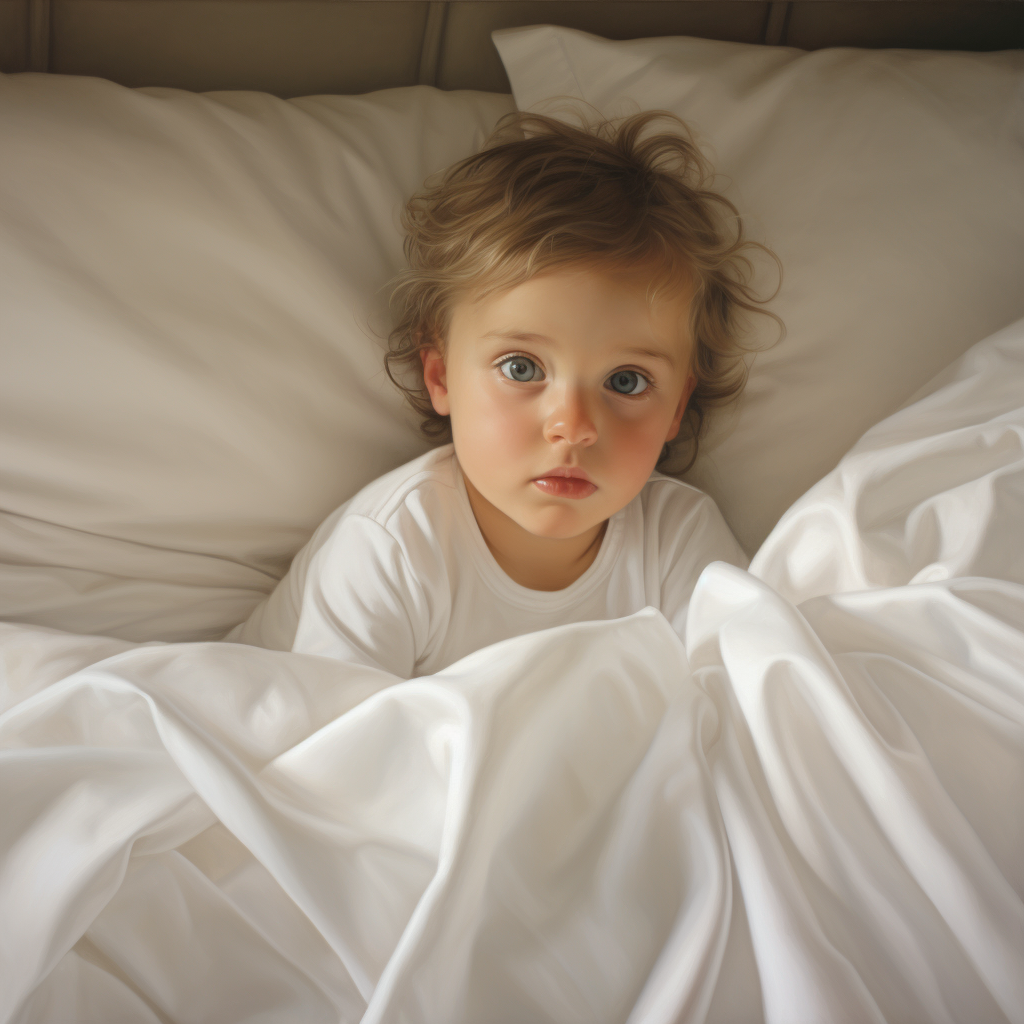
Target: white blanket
x: 808, y: 809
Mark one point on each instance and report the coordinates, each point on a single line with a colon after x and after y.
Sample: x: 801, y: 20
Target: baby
x: 569, y: 311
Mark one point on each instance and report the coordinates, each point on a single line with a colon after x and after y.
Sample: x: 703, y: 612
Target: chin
x: 557, y: 527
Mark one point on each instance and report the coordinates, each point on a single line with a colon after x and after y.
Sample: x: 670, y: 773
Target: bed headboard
x: 304, y: 47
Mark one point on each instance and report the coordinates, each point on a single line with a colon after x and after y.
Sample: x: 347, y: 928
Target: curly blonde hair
x: 543, y: 194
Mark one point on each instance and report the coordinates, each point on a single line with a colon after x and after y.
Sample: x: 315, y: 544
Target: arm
x: 350, y: 594
x: 273, y: 622
x: 689, y: 544
x: 361, y: 601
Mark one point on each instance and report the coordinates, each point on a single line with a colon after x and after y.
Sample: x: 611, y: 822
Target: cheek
x: 485, y: 415
x: 638, y: 443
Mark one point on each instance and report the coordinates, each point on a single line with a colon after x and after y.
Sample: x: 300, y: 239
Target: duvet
x: 810, y: 808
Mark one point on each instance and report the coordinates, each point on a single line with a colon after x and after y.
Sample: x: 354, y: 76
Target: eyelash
x: 649, y: 390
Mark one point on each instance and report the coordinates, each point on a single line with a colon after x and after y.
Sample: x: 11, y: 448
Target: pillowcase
x: 891, y: 185
x: 191, y: 313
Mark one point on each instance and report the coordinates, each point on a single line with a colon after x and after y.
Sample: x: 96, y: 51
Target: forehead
x: 598, y: 305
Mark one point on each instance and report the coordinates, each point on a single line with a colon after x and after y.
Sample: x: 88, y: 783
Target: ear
x: 677, y: 418
x: 435, y: 379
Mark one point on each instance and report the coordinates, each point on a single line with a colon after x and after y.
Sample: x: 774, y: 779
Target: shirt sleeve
x: 690, y: 542
x: 273, y: 622
x: 361, y: 602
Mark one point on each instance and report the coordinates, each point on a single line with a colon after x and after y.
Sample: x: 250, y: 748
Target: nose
x: 569, y: 420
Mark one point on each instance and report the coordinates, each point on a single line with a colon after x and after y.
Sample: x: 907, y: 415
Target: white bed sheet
x: 807, y: 809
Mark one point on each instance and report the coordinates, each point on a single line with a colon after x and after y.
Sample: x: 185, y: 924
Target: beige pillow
x: 189, y: 288
x: 890, y: 183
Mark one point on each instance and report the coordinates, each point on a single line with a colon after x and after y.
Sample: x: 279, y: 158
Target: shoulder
x: 427, y: 482
x: 401, y: 525
x: 667, y: 496
x: 679, y: 516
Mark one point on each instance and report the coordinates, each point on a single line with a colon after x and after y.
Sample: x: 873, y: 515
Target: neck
x: 540, y: 563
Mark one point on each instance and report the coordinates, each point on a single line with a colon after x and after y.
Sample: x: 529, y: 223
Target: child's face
x: 550, y: 375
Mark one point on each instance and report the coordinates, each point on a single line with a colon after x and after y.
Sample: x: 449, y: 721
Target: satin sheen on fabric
x: 806, y: 809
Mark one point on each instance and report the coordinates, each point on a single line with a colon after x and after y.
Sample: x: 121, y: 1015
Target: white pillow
x: 890, y: 183
x: 188, y: 298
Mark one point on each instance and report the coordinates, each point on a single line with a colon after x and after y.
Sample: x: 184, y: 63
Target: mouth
x: 565, y: 482
x: 568, y: 472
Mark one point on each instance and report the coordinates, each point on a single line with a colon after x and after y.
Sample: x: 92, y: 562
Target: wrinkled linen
x: 806, y: 809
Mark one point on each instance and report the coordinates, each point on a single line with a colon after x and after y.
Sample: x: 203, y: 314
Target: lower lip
x: 565, y: 486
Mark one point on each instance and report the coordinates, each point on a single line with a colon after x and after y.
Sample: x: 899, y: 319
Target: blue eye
x: 628, y: 382
x: 521, y: 368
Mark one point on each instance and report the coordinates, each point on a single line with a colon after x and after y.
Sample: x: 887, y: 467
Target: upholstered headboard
x: 304, y: 47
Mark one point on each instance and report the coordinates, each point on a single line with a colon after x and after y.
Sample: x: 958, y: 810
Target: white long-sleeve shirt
x: 401, y: 578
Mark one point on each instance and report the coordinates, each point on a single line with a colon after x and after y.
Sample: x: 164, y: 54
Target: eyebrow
x: 530, y: 336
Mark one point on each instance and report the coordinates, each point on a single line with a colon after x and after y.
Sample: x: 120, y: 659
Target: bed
x: 808, y: 808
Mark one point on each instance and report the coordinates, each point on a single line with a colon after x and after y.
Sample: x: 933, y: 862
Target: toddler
x: 568, y: 312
